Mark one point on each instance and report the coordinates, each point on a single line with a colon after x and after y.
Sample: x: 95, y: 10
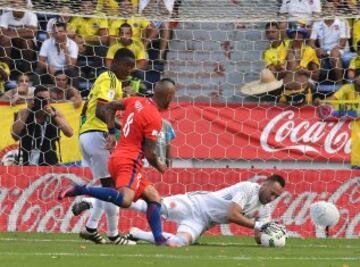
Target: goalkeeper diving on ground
x: 247, y: 204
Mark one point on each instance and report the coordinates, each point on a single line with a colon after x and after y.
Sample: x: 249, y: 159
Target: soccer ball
x: 273, y: 236
x: 324, y: 213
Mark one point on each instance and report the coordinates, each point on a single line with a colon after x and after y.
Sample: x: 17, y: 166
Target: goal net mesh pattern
x: 223, y: 134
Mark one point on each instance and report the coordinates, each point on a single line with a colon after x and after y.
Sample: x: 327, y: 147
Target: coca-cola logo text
x: 284, y: 132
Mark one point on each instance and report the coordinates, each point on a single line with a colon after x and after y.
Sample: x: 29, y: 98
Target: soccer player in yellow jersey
x: 354, y: 67
x: 93, y: 137
x: 126, y: 40
x: 350, y: 91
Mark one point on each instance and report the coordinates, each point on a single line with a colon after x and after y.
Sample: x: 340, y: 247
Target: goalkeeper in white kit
x: 246, y: 204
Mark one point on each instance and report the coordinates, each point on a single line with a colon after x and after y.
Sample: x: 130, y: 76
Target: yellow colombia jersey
x: 88, y: 26
x: 308, y: 55
x: 112, y: 7
x: 6, y: 69
x: 347, y: 92
x: 276, y: 56
x: 356, y: 33
x: 138, y: 24
x: 355, y: 63
x: 136, y: 47
x: 106, y: 87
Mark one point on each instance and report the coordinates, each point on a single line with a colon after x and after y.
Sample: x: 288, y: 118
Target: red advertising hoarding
x: 28, y: 198
x: 223, y: 131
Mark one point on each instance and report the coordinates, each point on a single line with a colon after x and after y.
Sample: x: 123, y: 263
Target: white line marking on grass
x: 41, y: 240
x: 179, y: 257
x: 224, y: 244
x: 292, y: 245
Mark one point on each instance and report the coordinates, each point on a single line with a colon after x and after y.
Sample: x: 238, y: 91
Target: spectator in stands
x: 275, y: 55
x: 163, y: 29
x: 354, y: 67
x: 348, y: 5
x: 302, y: 67
x: 4, y: 75
x: 22, y: 92
x: 38, y: 129
x: 125, y: 40
x: 57, y: 53
x: 61, y: 19
x: 300, y: 9
x: 91, y: 32
x: 355, y: 33
x: 63, y: 91
x: 348, y: 92
x: 331, y: 35
x: 18, y: 29
x: 142, y: 29
x: 115, y: 7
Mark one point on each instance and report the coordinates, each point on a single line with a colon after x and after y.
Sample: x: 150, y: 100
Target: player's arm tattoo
x: 110, y: 112
x: 149, y: 153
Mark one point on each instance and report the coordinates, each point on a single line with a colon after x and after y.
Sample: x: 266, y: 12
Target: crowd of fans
x: 312, y: 50
x: 306, y: 52
x: 47, y: 49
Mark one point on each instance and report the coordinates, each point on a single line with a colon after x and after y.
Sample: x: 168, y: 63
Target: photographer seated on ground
x: 38, y: 130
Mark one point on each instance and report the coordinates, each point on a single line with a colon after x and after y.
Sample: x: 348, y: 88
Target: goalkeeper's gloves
x: 261, y: 226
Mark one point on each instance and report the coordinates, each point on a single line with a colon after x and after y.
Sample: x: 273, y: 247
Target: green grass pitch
x: 67, y: 250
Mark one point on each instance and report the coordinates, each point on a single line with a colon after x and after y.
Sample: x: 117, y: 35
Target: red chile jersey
x: 141, y: 120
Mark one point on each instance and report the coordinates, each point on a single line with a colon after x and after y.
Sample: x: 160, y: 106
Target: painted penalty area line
x: 179, y: 257
x: 224, y: 244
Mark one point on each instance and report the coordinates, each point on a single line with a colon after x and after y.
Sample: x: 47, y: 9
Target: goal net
x: 258, y: 93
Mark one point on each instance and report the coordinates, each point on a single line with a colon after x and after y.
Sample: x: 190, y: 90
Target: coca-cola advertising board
x: 28, y: 198
x: 247, y: 132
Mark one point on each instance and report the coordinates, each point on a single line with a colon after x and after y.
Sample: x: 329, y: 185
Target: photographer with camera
x: 38, y: 129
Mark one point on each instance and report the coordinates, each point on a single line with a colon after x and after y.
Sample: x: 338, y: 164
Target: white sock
x: 148, y: 236
x: 140, y: 206
x: 95, y: 214
x: 112, y: 215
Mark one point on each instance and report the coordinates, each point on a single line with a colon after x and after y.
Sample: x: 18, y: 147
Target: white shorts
x: 181, y: 209
x: 92, y: 146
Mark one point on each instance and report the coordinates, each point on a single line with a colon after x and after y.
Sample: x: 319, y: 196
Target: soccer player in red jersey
x: 141, y: 126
